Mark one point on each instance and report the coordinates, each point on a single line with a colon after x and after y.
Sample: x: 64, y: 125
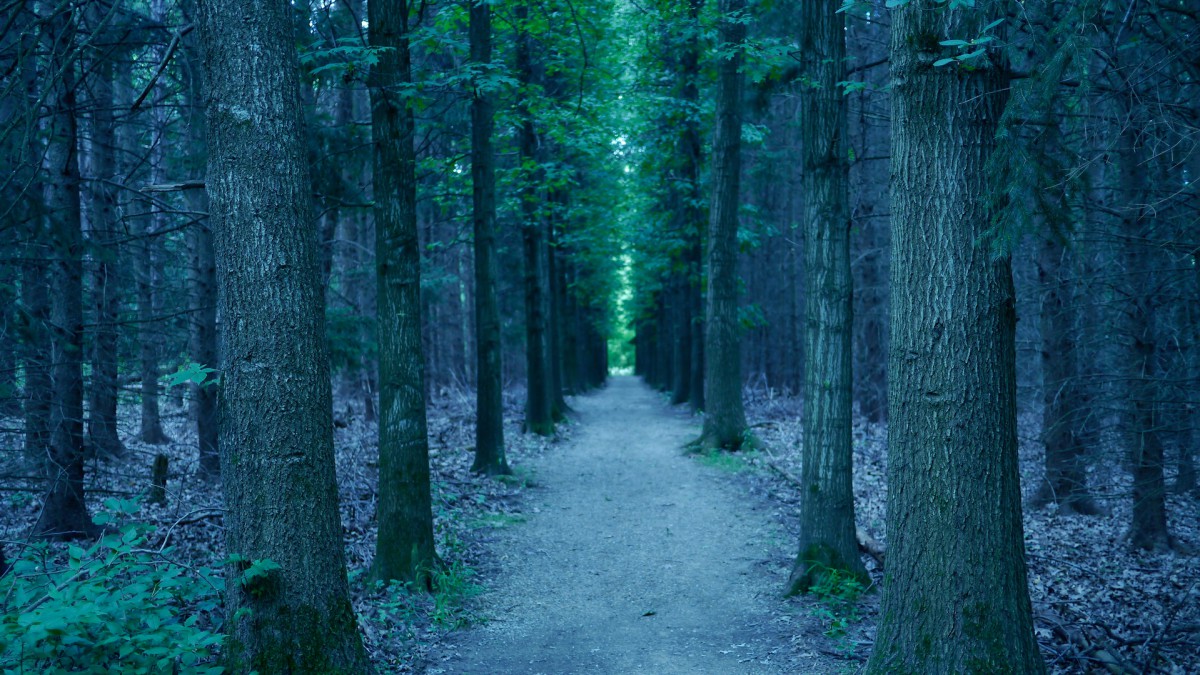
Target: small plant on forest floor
x: 730, y: 462
x: 404, y: 607
x: 498, y: 520
x: 118, y: 605
x: 838, y: 593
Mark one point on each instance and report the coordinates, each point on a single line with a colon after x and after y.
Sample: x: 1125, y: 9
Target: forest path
x: 635, y: 559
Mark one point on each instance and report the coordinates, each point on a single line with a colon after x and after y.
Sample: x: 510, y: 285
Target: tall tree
x: 956, y: 597
x: 280, y: 492
x: 106, y: 286
x: 405, y: 547
x: 489, y: 404
x: 827, y: 539
x: 539, y: 404
x: 202, y: 270
x: 724, y: 413
x: 64, y: 514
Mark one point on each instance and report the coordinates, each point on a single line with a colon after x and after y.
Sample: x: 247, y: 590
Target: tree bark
x: 489, y: 403
x: 539, y: 412
x: 724, y: 414
x: 276, y: 408
x: 202, y: 273
x: 827, y: 543
x: 405, y: 548
x: 955, y: 599
x: 64, y: 514
x: 106, y: 291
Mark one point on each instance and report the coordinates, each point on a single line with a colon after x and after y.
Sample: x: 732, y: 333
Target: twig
x: 163, y: 65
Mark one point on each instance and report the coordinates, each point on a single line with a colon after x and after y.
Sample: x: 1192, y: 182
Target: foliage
x: 193, y: 372
x: 119, y: 605
x: 838, y: 593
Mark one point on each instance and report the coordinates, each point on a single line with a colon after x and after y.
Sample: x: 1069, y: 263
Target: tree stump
x: 158, y: 480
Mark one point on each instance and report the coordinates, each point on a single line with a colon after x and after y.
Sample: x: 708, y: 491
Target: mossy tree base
x: 820, y: 564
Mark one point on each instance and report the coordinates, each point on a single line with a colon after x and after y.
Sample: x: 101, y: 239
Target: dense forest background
x: 753, y: 206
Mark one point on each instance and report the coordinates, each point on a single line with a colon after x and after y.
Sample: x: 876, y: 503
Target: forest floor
x: 609, y: 550
x: 634, y: 558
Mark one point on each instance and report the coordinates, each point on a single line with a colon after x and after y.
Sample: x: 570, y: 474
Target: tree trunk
x: 1148, y: 530
x: 149, y: 301
x: 276, y: 407
x: 558, y: 404
x: 956, y: 597
x: 827, y: 531
x: 539, y: 413
x: 405, y: 548
x: 64, y: 515
x: 202, y: 279
x: 1066, y: 478
x: 489, y: 403
x: 724, y: 414
x: 106, y: 291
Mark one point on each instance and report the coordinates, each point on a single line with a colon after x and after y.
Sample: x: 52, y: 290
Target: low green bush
x: 117, y: 606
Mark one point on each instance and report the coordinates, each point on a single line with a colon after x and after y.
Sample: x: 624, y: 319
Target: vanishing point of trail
x: 634, y: 559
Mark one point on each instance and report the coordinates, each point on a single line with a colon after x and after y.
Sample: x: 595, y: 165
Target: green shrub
x: 117, y: 606
x: 838, y: 592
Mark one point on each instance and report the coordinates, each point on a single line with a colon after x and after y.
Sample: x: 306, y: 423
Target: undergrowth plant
x: 838, y: 593
x: 116, y: 606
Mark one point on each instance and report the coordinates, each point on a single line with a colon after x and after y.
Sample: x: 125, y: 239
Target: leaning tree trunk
x: 277, y: 450
x: 956, y: 598
x: 489, y: 404
x: 64, y: 514
x: 405, y: 547
x: 539, y: 406
x: 827, y: 539
x: 724, y: 414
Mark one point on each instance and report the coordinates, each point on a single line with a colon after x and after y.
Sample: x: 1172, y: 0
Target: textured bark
x: 489, y: 405
x: 64, y: 513
x: 106, y: 291
x: 827, y: 541
x: 724, y: 413
x: 539, y: 412
x: 276, y: 405
x: 1062, y: 420
x: 955, y: 594
x: 405, y: 548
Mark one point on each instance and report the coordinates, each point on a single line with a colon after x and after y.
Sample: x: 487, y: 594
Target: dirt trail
x: 635, y: 559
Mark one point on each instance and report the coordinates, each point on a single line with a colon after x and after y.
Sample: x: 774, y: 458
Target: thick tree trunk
x: 276, y: 408
x: 956, y: 598
x: 489, y: 404
x: 827, y: 531
x: 405, y: 548
x: 64, y: 514
x: 724, y: 414
x: 539, y: 412
x: 106, y: 291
